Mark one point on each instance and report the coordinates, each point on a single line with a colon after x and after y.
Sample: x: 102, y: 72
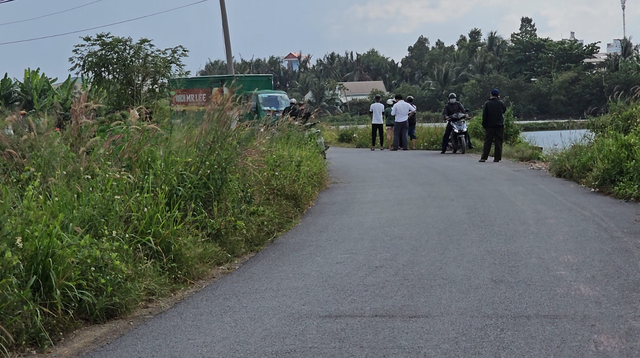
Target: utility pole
x: 624, y: 25
x: 227, y: 38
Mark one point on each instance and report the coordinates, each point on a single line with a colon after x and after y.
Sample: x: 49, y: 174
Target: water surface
x: 556, y: 140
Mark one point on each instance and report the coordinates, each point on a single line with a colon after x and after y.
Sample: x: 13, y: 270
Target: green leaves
x: 35, y: 92
x: 8, y: 92
x: 132, y: 73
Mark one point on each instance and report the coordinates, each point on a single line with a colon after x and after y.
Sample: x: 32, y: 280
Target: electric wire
x: 43, y: 16
x: 101, y: 26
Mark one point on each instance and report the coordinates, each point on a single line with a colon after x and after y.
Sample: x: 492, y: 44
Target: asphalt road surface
x: 417, y: 254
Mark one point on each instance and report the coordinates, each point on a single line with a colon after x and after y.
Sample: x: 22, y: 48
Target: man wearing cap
x: 493, y: 124
x: 389, y: 121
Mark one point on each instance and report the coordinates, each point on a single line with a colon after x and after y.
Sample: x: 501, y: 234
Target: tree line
x: 538, y: 76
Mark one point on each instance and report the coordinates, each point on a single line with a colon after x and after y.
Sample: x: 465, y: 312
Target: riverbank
x: 610, y: 161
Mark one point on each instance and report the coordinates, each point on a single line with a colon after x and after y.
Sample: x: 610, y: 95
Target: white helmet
x: 390, y: 102
x: 293, y: 101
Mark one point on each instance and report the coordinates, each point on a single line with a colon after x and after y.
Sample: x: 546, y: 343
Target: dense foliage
x: 610, y: 161
x: 99, y: 217
x: 101, y: 209
x: 132, y: 73
x: 538, y: 76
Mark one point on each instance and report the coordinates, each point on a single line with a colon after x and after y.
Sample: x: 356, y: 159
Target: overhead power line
x: 5, y: 1
x: 43, y: 16
x: 101, y: 26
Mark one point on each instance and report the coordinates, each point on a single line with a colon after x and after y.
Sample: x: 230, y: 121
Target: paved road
x: 417, y: 254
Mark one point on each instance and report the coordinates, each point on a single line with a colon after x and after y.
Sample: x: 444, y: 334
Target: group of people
x: 296, y: 110
x: 400, y: 119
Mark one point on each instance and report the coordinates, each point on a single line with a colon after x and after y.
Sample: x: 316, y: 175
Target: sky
x: 262, y: 28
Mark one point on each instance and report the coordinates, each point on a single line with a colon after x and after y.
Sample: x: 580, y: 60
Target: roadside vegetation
x: 610, y: 161
x: 101, y: 211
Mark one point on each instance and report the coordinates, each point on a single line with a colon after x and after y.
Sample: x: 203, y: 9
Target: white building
x: 615, y: 46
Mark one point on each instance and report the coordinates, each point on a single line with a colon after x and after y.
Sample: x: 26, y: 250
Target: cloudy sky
x: 261, y: 28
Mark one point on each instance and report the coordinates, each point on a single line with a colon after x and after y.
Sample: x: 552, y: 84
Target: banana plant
x: 65, y: 93
x: 8, y: 88
x: 36, y: 92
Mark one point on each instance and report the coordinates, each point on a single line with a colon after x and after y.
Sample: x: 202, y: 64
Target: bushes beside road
x: 95, y: 221
x: 611, y: 161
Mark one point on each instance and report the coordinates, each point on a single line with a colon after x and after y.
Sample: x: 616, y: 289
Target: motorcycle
x: 458, y: 137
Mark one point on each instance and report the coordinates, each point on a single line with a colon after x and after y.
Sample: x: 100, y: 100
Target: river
x: 552, y: 140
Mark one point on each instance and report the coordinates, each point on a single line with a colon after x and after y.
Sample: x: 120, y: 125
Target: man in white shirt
x: 401, y: 111
x: 375, y: 111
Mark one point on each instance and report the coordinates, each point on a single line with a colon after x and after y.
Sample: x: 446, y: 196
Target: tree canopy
x: 538, y: 76
x: 134, y: 73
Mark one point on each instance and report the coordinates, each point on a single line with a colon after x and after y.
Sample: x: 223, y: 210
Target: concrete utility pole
x: 227, y: 38
x: 624, y: 25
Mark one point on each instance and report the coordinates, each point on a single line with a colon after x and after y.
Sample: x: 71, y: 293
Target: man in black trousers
x: 493, y: 124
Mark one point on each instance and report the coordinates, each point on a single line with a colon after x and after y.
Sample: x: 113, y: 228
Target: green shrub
x: 523, y: 152
x: 346, y: 135
x: 611, y: 162
x: 622, y: 118
x: 93, y: 221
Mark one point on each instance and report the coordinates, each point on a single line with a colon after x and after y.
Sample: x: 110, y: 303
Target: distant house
x: 360, y: 90
x: 292, y: 60
x: 597, y: 58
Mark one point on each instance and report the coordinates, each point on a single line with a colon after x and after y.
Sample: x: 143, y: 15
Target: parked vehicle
x: 268, y: 104
x: 458, y: 138
x: 191, y: 95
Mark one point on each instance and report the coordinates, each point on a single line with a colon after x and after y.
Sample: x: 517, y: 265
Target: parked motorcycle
x: 458, y: 137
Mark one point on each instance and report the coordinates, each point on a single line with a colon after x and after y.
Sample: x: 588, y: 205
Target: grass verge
x: 99, y: 218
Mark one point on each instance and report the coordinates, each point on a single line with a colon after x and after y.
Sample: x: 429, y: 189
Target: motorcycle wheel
x: 463, y: 146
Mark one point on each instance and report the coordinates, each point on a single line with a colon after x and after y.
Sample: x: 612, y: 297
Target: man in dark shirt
x: 292, y: 110
x: 412, y: 123
x: 493, y: 124
x: 451, y: 108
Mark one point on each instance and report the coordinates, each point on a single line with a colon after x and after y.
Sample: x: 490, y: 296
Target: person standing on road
x: 376, y: 111
x: 401, y: 111
x: 412, y: 123
x: 389, y: 121
x: 493, y: 124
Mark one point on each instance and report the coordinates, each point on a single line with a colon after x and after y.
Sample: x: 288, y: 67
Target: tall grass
x: 611, y: 161
x: 96, y: 219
